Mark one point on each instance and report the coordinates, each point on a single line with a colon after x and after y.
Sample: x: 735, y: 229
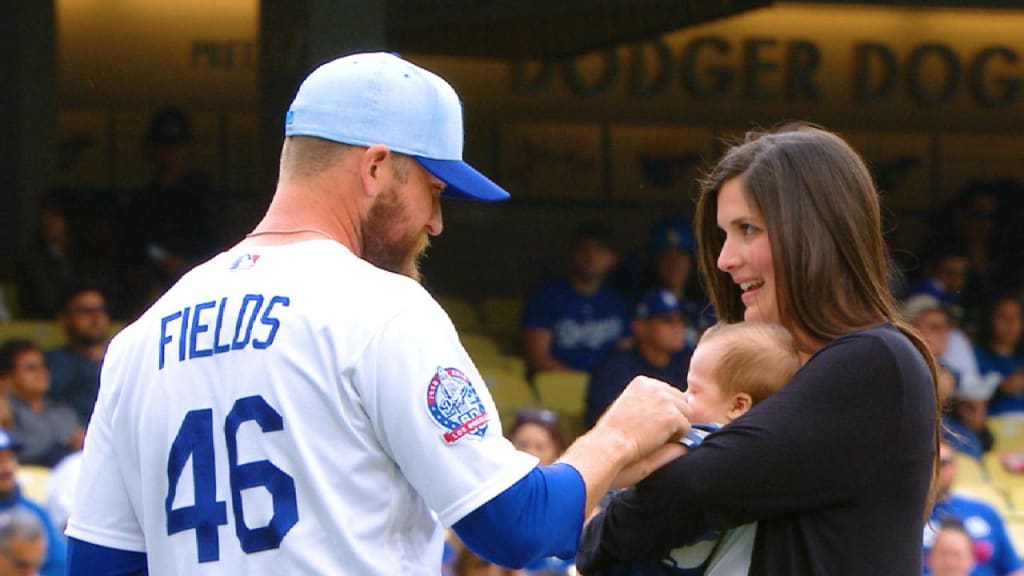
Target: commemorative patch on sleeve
x: 455, y: 406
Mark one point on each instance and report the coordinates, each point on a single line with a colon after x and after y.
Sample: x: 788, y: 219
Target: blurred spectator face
x: 673, y: 267
x: 85, y: 318
x: 53, y: 226
x: 534, y: 439
x: 952, y: 272
x: 21, y: 556
x: 664, y: 332
x: 592, y: 260
x: 952, y: 554
x: 934, y: 327
x: 30, y: 378
x: 972, y: 413
x: 1006, y: 322
x: 947, y: 470
x: 8, y: 469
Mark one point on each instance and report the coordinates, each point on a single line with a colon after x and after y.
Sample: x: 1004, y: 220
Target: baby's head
x: 735, y: 366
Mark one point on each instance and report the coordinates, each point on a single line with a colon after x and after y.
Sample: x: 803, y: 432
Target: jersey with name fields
x: 290, y: 410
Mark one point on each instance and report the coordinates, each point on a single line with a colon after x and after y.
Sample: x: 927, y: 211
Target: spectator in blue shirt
x: 11, y: 499
x: 574, y: 322
x: 75, y: 367
x: 993, y: 550
x: 659, y: 351
x: 997, y: 357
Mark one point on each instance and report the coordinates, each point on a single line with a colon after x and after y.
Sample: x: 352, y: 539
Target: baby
x: 734, y: 367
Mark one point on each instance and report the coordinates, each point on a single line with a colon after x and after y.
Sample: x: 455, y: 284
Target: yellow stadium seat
x: 32, y: 481
x: 501, y: 314
x: 969, y: 470
x: 1008, y: 431
x: 1015, y: 495
x: 988, y: 493
x: 45, y: 333
x: 998, y: 473
x: 510, y: 391
x: 477, y: 344
x: 564, y: 392
x: 500, y: 318
x: 1015, y: 527
x: 462, y: 312
x: 516, y: 364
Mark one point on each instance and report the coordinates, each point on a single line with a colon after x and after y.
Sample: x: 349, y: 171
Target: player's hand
x: 648, y: 414
x: 643, y: 467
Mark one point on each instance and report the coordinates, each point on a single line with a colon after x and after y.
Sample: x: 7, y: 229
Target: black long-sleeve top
x: 835, y: 468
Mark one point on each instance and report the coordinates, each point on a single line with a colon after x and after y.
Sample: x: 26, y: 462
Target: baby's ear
x: 741, y: 404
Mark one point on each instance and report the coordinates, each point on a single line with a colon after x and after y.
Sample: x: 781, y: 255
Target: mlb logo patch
x: 245, y: 261
x: 455, y: 406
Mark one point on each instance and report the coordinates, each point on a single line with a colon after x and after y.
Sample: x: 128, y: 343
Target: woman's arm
x: 816, y: 443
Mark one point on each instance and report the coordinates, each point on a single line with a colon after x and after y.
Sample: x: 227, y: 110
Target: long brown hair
x: 822, y: 214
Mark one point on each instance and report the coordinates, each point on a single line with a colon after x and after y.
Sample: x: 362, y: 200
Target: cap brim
x: 463, y: 181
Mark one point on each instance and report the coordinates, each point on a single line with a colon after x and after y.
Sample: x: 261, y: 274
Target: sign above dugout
x: 542, y: 28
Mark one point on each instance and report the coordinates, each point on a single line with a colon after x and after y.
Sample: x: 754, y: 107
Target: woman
x: 836, y: 467
x: 537, y: 432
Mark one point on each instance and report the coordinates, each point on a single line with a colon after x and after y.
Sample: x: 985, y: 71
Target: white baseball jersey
x: 289, y: 410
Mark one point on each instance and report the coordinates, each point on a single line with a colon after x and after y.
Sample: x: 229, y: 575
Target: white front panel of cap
x: 378, y: 98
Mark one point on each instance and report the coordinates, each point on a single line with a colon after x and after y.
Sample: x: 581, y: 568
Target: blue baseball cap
x: 379, y: 98
x: 673, y: 232
x: 8, y: 442
x: 657, y: 303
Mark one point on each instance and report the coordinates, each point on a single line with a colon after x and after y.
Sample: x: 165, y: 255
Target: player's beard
x: 401, y: 256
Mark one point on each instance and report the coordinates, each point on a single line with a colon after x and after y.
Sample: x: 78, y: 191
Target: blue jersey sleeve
x: 85, y: 559
x: 539, y: 516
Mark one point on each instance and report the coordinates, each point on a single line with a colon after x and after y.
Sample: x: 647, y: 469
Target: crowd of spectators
x: 608, y: 317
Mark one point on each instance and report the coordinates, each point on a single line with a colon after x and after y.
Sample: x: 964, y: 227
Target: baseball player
x: 299, y: 404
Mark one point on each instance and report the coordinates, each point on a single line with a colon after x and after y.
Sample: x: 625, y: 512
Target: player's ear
x: 375, y: 169
x: 741, y: 404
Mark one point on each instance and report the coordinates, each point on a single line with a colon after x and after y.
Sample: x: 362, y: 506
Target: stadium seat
x: 1015, y: 495
x: 1015, y: 527
x: 1008, y: 431
x: 986, y: 493
x: 501, y: 314
x: 516, y: 364
x: 462, y: 312
x: 564, y: 392
x: 45, y: 333
x: 969, y: 470
x: 500, y: 317
x: 32, y: 481
x: 510, y: 392
x: 998, y: 474
x: 479, y: 345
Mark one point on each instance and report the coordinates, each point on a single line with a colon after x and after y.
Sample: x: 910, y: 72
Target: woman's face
x: 747, y: 253
x: 534, y: 439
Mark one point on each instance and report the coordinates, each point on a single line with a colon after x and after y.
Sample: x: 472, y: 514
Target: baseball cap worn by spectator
x: 657, y: 303
x: 671, y: 233
x: 379, y: 98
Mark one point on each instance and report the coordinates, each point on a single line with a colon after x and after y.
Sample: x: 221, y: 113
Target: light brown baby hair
x: 756, y: 358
